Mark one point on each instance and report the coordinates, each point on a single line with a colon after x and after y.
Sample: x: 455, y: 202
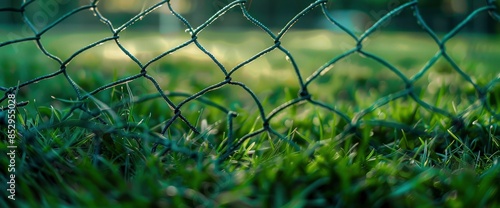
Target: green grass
x: 82, y: 162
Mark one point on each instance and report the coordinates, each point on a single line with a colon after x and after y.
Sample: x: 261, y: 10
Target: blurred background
x: 441, y: 15
x: 232, y: 39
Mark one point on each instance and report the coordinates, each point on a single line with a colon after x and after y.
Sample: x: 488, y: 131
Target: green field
x: 400, y: 155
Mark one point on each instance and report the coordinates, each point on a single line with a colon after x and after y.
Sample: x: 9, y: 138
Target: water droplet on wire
x: 288, y: 59
x: 92, y: 9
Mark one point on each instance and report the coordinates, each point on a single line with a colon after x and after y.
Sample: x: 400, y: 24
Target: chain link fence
x: 96, y: 122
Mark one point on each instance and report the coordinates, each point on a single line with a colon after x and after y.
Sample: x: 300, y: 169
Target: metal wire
x: 353, y: 121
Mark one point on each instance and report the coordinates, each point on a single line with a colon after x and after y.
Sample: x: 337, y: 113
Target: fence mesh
x: 95, y: 121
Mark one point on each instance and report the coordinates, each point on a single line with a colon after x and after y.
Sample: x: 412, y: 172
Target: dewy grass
x: 76, y: 164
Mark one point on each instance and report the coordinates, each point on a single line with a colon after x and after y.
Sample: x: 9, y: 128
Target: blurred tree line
x: 441, y: 15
